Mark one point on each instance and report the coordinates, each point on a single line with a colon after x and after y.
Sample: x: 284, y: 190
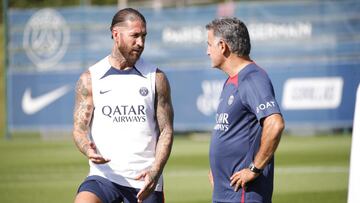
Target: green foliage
x: 308, y: 169
x: 41, y: 3
x: 104, y: 2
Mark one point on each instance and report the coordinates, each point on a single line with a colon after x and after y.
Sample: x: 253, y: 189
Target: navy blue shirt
x: 245, y: 100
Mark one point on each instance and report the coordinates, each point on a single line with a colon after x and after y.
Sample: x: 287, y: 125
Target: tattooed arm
x: 83, y: 111
x: 165, y: 118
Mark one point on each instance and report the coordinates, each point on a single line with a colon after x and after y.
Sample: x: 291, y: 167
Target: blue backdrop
x: 311, y: 51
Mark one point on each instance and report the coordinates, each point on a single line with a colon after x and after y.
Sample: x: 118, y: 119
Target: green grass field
x: 308, y: 169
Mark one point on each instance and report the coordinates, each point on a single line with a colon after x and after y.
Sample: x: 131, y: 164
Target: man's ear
x: 224, y: 47
x: 115, y: 33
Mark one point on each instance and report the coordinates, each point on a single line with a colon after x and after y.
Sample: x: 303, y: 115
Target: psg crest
x: 144, y: 91
x: 231, y: 100
x: 46, y: 38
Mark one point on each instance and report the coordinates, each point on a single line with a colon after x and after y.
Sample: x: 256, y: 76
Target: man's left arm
x: 273, y: 126
x: 270, y: 139
x: 165, y: 118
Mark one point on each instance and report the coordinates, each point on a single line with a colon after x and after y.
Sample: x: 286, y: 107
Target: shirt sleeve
x: 259, y: 95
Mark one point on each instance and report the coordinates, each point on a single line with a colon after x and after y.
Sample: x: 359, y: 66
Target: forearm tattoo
x: 83, y: 112
x: 165, y: 118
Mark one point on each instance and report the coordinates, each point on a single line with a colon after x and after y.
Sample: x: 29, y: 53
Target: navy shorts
x: 110, y: 192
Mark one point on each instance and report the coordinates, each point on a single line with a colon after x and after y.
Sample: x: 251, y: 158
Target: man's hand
x: 94, y: 156
x: 241, y: 178
x: 150, y: 177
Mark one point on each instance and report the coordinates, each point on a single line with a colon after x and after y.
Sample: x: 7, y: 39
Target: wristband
x: 254, y: 169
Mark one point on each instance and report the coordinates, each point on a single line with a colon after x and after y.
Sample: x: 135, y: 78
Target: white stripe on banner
x: 354, y: 176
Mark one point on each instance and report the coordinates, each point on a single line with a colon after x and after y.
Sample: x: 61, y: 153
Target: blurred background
x: 310, y: 49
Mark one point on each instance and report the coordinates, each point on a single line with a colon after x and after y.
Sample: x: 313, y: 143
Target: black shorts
x: 110, y: 192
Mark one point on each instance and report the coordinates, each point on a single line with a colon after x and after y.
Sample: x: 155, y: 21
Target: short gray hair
x: 234, y: 32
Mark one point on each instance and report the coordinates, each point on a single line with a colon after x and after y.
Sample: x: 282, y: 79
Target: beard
x: 131, y: 55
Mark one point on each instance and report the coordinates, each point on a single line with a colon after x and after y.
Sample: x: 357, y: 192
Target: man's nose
x: 140, y: 42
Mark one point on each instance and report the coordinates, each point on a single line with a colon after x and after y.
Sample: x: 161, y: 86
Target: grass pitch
x: 308, y: 169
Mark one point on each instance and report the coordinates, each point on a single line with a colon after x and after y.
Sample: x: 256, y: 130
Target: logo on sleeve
x: 265, y: 106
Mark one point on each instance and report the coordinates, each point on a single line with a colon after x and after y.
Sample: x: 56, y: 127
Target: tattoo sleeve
x: 83, y: 111
x: 165, y: 119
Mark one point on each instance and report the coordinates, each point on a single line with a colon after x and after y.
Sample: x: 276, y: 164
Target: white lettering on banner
x: 189, y: 34
x: 257, y: 31
x: 271, y: 31
x: 312, y: 93
x: 354, y: 176
x: 46, y: 38
x: 208, y: 101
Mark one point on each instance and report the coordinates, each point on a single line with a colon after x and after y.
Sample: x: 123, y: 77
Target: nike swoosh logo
x: 32, y: 105
x: 103, y: 92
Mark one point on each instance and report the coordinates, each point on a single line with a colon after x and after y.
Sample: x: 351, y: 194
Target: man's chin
x: 136, y: 55
x: 132, y: 60
x: 216, y: 67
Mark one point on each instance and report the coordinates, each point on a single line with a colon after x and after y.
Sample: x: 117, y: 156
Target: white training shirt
x: 124, y: 127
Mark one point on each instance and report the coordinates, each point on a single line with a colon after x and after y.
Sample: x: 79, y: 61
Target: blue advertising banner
x: 311, y: 51
x: 42, y: 100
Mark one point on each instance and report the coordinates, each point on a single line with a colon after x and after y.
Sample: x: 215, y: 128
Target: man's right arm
x: 83, y: 112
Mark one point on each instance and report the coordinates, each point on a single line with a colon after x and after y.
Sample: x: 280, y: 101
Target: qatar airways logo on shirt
x: 265, y: 106
x: 125, y: 113
x: 222, y: 122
